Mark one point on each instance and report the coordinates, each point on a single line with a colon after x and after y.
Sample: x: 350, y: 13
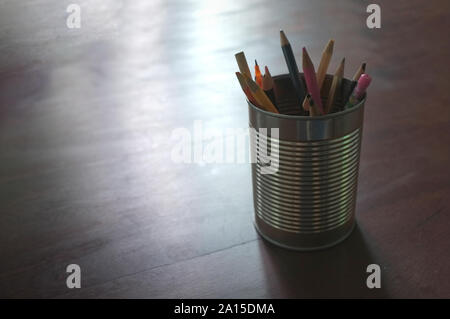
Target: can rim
x: 307, y: 117
x: 307, y: 248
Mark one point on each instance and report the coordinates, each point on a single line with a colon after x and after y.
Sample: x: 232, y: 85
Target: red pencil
x: 311, y: 80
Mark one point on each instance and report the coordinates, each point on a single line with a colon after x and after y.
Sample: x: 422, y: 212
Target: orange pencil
x: 258, y: 75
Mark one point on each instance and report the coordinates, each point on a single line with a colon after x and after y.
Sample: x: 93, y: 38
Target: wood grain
x: 86, y: 177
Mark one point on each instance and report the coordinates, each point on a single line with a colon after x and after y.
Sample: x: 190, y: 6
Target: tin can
x: 305, y: 176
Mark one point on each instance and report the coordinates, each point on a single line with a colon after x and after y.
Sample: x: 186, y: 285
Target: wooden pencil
x: 267, y: 85
x: 348, y: 91
x: 359, y: 91
x: 313, y: 111
x: 324, y: 63
x: 258, y: 75
x: 335, y: 86
x: 260, y: 96
x: 311, y: 80
x: 292, y: 66
x: 306, y: 100
x: 242, y: 64
x: 305, y: 103
x: 245, y: 88
x: 361, y: 70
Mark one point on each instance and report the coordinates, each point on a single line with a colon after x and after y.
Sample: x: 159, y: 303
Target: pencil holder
x: 305, y: 175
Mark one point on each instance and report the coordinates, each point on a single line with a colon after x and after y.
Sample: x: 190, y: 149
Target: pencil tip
x: 256, y: 62
x: 266, y: 70
x: 304, y: 52
x: 283, y: 38
x: 364, y: 66
x: 330, y: 46
x: 306, y: 60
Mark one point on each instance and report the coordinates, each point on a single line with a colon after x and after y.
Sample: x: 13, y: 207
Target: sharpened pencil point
x: 283, y: 39
x: 306, y: 60
x: 267, y: 82
x: 330, y: 46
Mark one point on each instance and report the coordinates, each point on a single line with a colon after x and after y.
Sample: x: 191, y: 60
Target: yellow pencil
x: 242, y: 63
x: 260, y: 96
x: 335, y: 86
x: 324, y: 62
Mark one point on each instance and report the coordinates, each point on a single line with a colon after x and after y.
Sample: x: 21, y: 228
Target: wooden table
x: 86, y: 123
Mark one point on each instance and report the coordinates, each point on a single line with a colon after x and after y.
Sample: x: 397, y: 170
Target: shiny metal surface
x: 309, y: 203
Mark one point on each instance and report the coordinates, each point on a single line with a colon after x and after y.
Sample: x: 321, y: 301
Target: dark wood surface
x: 86, y: 119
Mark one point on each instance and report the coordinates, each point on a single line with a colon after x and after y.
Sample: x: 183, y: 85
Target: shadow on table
x: 337, y: 272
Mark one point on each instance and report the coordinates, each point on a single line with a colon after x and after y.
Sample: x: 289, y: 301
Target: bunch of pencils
x: 261, y: 91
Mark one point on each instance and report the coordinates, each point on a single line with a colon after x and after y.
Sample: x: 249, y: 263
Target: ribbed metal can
x: 305, y: 171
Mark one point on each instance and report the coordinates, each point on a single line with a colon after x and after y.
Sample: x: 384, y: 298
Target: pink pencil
x: 311, y: 81
x: 360, y: 89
